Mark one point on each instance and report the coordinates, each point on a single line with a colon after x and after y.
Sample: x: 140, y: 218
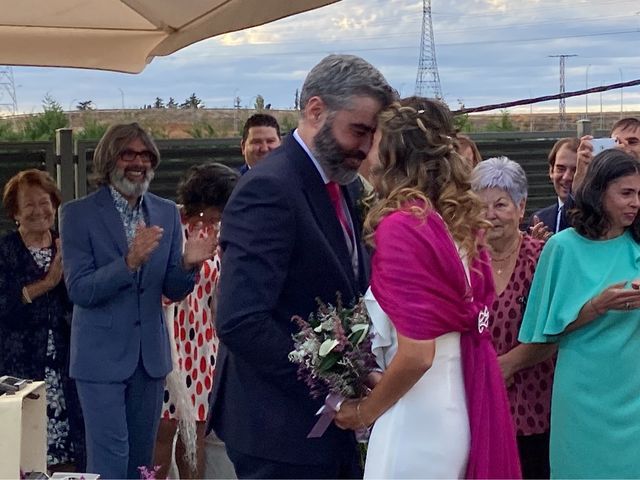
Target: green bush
x: 92, y: 130
x: 43, y: 126
x: 202, y: 130
x: 8, y: 133
x: 504, y: 124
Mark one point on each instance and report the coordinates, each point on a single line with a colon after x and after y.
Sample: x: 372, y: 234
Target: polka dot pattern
x: 530, y: 392
x: 196, y: 339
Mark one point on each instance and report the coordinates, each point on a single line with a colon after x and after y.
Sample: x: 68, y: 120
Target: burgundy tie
x: 336, y: 200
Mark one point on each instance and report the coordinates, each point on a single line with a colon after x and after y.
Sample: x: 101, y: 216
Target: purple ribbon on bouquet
x: 327, y: 413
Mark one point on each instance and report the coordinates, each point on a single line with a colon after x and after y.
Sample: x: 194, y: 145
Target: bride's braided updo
x: 419, y: 162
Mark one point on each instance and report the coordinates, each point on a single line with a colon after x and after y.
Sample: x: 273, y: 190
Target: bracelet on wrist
x: 359, y: 415
x: 593, y: 307
x: 26, y: 298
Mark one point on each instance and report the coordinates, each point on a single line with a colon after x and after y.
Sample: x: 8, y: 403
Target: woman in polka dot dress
x: 527, y: 369
x: 202, y: 195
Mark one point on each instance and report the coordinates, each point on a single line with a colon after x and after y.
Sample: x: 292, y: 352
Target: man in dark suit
x: 290, y: 235
x: 122, y: 251
x: 625, y: 132
x: 260, y: 135
x: 562, y: 168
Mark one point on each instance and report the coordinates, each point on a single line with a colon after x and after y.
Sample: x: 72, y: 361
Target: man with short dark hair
x: 562, y: 167
x: 291, y: 235
x: 260, y: 135
x: 625, y: 131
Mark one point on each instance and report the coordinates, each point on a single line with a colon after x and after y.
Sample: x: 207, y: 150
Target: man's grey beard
x: 128, y: 188
x: 331, y: 156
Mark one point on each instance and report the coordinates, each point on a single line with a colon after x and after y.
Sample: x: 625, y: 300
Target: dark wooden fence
x: 69, y: 162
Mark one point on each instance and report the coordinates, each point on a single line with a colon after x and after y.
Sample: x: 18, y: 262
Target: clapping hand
x: 54, y: 275
x: 200, y: 246
x: 539, y: 230
x: 585, y: 155
x: 145, y: 241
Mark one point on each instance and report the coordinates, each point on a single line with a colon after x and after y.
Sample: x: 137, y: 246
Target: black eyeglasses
x: 129, y: 155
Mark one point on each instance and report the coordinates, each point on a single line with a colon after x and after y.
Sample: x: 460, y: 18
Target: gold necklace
x: 506, y: 258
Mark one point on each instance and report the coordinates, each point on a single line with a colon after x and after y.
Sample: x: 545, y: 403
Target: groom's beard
x: 337, y: 161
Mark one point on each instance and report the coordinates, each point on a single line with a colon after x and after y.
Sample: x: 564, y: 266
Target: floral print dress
x: 60, y: 447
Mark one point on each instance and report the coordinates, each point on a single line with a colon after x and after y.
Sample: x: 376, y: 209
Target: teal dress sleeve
x: 565, y: 279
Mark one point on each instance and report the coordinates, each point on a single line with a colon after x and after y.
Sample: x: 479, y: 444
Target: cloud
x: 487, y: 51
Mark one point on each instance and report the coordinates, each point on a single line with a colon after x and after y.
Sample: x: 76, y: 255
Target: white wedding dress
x: 426, y: 433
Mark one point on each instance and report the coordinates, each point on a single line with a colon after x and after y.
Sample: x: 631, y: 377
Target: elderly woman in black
x: 35, y: 310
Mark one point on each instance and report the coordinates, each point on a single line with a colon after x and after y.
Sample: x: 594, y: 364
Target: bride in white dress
x: 440, y: 407
x: 427, y: 430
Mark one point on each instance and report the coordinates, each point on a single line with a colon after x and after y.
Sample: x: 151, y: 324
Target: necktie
x: 336, y: 200
x: 560, y: 221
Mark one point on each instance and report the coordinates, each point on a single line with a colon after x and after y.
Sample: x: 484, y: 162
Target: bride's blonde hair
x: 419, y: 162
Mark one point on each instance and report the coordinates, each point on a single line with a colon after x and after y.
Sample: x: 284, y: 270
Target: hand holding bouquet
x: 333, y: 353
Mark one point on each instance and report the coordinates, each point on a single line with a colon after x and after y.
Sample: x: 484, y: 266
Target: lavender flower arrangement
x: 333, y: 350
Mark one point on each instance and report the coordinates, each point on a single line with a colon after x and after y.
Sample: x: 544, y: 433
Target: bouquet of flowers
x: 333, y: 353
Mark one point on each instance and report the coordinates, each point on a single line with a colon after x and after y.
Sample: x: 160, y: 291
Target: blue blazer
x: 283, y: 248
x: 117, y: 314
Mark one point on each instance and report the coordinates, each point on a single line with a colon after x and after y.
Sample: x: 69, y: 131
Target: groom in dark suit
x: 290, y: 235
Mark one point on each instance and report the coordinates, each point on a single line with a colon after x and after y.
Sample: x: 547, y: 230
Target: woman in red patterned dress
x: 202, y: 195
x: 527, y: 369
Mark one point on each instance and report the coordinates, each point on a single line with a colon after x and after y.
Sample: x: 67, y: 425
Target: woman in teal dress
x: 585, y: 297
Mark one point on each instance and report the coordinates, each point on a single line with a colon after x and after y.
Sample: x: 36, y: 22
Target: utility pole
x: 562, y: 109
x: 621, y: 94
x: 428, y: 78
x: 586, y: 95
x: 236, y: 108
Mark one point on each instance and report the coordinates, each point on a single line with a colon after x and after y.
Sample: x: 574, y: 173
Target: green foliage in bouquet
x: 333, y: 349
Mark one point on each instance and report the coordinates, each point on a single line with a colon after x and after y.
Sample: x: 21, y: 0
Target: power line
x: 253, y: 47
x: 546, y: 98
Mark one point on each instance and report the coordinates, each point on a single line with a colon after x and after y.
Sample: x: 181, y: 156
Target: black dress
x: 34, y: 344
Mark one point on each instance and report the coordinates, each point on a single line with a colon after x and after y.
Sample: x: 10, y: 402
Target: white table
x: 23, y: 431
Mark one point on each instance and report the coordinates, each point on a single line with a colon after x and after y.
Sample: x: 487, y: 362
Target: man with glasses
x: 562, y: 167
x: 122, y: 251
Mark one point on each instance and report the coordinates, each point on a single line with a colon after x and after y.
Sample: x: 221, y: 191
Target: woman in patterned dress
x: 527, y: 369
x: 202, y: 195
x: 35, y: 311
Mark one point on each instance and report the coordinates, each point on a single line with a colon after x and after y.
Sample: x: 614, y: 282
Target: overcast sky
x: 488, y: 51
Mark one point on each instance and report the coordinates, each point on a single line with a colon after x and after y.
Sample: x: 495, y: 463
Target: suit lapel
x: 153, y: 217
x: 111, y: 219
x: 320, y: 204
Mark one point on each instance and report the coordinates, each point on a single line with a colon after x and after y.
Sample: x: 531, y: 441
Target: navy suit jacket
x: 117, y: 314
x: 549, y: 216
x: 283, y: 248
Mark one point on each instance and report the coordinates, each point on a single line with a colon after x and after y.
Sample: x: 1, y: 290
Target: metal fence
x: 70, y: 162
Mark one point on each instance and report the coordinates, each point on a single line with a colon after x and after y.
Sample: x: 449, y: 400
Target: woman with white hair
x: 502, y: 185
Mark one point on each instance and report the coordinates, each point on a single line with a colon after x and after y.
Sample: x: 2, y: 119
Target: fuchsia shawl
x: 419, y: 281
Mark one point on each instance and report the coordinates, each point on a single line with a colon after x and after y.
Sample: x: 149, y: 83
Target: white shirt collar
x: 560, y: 203
x: 296, y: 135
